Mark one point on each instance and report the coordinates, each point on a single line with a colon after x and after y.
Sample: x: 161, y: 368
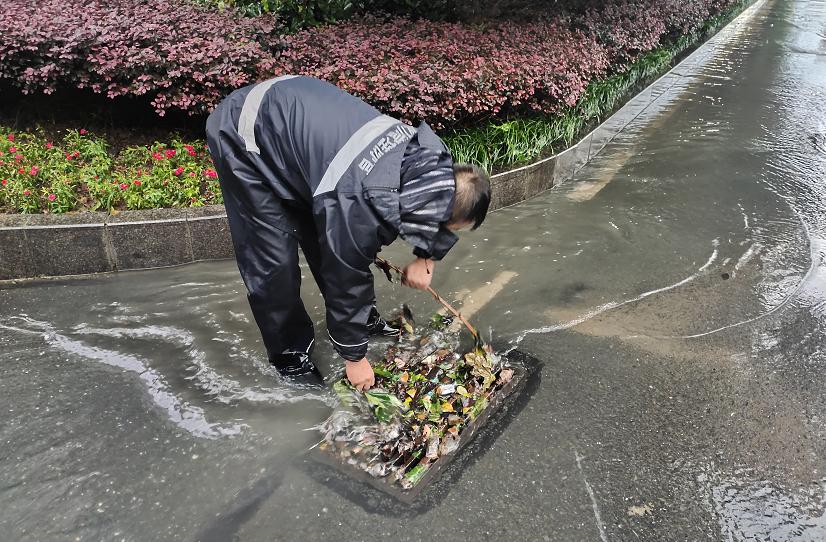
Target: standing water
x: 675, y: 291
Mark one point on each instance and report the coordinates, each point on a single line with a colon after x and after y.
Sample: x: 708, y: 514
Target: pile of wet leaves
x: 426, y: 394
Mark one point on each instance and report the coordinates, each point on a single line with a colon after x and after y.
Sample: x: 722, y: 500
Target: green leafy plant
x: 79, y: 172
x: 296, y: 14
x: 520, y: 140
x: 385, y: 405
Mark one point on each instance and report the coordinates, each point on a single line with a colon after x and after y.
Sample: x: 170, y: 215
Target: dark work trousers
x: 266, y: 233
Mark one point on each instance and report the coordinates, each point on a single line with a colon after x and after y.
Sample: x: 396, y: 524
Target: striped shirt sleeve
x: 426, y: 198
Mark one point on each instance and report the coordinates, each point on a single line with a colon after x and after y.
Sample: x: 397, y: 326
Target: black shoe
x: 298, y: 368
x: 377, y: 325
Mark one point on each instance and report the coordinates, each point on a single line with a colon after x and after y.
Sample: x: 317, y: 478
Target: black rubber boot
x: 297, y: 368
x: 377, y: 325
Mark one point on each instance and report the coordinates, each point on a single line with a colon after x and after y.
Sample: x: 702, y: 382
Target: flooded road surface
x: 675, y: 292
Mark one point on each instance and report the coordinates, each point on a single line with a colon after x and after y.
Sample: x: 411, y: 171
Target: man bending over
x: 304, y: 164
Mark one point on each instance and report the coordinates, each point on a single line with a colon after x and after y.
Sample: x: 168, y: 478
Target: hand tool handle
x: 385, y: 265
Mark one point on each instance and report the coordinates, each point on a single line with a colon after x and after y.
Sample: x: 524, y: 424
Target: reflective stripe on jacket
x: 328, y: 153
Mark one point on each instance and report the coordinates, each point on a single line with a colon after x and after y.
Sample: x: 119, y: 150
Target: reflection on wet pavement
x: 675, y: 290
x: 743, y: 509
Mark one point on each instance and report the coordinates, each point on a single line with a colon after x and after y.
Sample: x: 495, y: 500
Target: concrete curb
x: 86, y: 243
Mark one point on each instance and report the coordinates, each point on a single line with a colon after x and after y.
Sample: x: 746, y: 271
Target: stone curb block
x: 85, y: 243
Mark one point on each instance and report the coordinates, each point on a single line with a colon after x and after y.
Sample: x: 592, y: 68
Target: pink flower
x: 4, y: 182
x: 51, y: 197
x: 18, y: 157
x: 75, y: 154
x: 170, y: 153
x: 49, y: 145
x: 68, y: 156
x: 191, y: 173
x: 82, y: 132
x: 34, y: 170
x: 211, y: 173
x: 136, y: 183
x: 21, y: 171
x: 124, y: 186
x: 178, y: 171
x: 10, y: 137
x: 190, y: 150
x: 157, y: 156
x: 12, y: 150
x: 26, y: 193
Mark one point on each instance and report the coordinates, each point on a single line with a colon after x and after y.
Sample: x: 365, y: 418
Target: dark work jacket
x: 331, y: 155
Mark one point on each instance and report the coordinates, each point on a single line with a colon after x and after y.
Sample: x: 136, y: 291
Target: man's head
x: 472, y: 197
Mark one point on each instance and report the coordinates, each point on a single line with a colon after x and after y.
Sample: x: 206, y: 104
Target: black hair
x: 472, y: 195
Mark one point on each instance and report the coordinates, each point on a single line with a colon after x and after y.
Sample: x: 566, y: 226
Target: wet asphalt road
x: 674, y: 293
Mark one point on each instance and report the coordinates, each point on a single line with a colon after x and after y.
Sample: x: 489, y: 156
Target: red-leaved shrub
x: 682, y: 17
x: 183, y: 56
x: 629, y: 28
x: 443, y: 72
x: 625, y: 29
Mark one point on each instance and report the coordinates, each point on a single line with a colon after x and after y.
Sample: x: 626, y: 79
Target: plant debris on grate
x: 427, y: 402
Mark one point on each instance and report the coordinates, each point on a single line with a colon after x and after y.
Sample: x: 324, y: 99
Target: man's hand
x: 418, y: 273
x: 360, y: 374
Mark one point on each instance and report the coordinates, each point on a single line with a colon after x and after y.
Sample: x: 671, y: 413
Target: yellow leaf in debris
x: 462, y: 391
x: 411, y: 392
x: 447, y: 407
x: 405, y: 376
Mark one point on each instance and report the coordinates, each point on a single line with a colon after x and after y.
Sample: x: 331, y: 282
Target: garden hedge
x: 179, y: 55
x: 186, y: 57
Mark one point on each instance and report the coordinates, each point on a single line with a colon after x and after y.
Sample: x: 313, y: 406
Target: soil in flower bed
x: 122, y: 122
x: 428, y: 401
